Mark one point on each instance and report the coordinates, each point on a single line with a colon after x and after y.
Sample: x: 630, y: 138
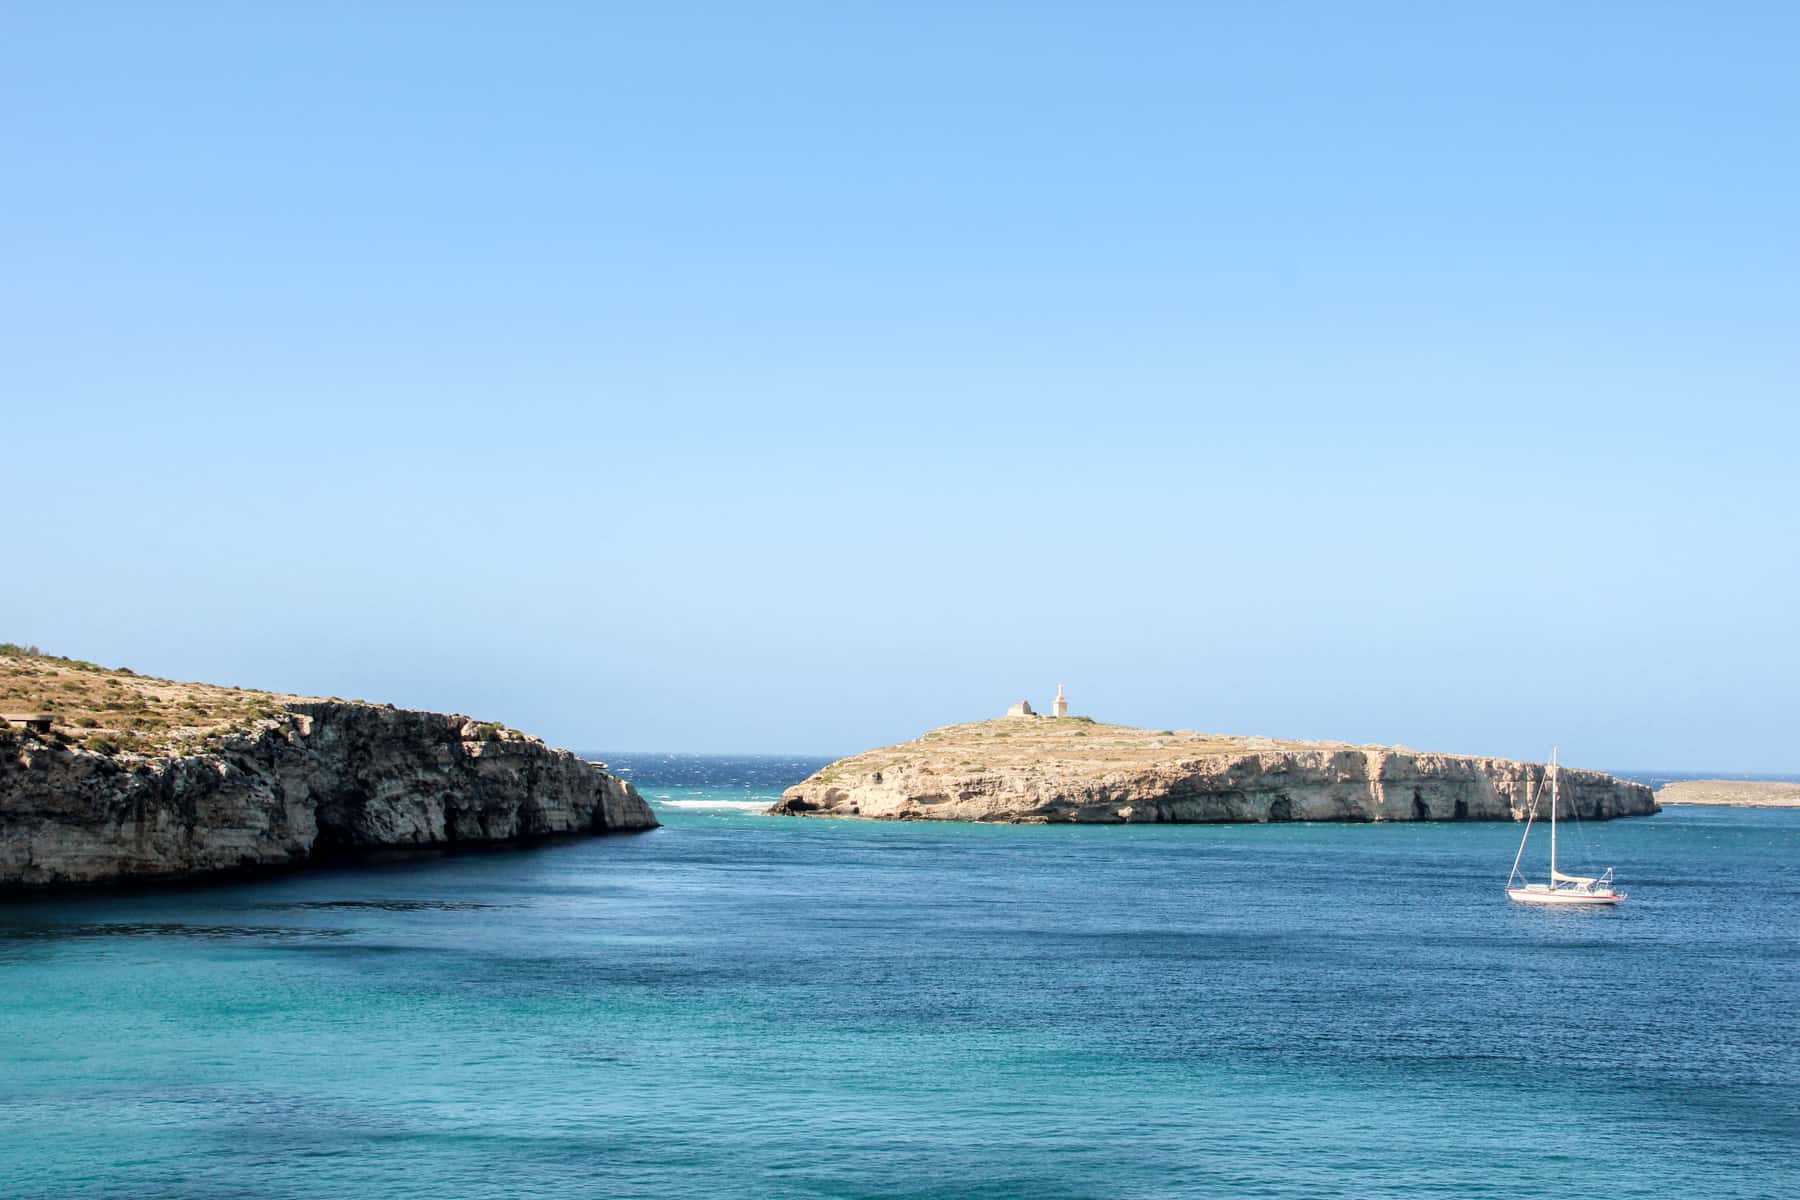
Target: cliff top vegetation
x: 1017, y: 741
x: 114, y: 709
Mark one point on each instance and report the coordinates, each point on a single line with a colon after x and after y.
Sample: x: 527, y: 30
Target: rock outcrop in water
x: 299, y: 781
x: 1036, y: 769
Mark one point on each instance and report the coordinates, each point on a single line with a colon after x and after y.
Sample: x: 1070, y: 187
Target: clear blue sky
x: 799, y: 377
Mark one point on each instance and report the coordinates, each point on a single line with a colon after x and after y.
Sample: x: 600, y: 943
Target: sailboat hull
x: 1582, y: 890
x: 1542, y: 895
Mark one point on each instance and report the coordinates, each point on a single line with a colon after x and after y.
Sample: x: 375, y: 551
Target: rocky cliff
x: 303, y: 781
x: 1038, y: 769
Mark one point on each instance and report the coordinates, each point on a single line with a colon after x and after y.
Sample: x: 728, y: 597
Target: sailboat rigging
x: 1562, y: 888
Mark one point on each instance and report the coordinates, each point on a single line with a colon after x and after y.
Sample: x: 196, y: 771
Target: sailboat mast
x: 1553, y: 799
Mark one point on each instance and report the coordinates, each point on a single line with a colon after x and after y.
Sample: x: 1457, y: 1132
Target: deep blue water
x: 742, y: 1006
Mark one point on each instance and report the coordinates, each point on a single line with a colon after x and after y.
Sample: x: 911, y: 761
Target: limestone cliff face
x: 323, y: 779
x: 1035, y: 770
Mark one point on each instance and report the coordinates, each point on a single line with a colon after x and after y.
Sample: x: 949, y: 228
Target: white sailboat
x: 1562, y: 889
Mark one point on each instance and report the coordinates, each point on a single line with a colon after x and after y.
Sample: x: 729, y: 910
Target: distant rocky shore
x: 1743, y: 793
x: 127, y: 778
x: 1028, y: 768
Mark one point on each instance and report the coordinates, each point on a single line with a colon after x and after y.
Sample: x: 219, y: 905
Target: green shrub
x: 102, y: 745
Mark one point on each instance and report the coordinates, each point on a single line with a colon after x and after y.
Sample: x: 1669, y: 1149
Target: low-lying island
x: 1741, y: 793
x: 1029, y: 768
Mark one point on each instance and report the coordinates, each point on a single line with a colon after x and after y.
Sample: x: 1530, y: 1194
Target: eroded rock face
x: 324, y: 779
x: 1036, y: 771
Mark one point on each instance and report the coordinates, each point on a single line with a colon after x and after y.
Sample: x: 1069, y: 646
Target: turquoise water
x: 740, y: 1006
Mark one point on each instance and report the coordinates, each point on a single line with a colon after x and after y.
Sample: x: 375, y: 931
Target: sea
x: 743, y: 1006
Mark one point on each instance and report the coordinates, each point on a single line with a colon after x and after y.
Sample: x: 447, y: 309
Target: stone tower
x: 1061, y: 707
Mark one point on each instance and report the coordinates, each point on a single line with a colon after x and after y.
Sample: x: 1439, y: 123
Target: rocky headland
x: 1743, y: 793
x: 110, y: 777
x: 1071, y: 769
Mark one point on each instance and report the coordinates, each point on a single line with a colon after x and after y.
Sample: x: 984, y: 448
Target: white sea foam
x: 742, y: 805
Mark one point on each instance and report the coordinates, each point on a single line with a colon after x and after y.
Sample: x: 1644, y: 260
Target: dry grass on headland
x: 1745, y: 793
x: 114, y: 709
x: 1006, y: 742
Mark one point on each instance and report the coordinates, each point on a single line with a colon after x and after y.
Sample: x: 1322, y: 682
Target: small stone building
x: 37, y: 721
x: 1059, y: 709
